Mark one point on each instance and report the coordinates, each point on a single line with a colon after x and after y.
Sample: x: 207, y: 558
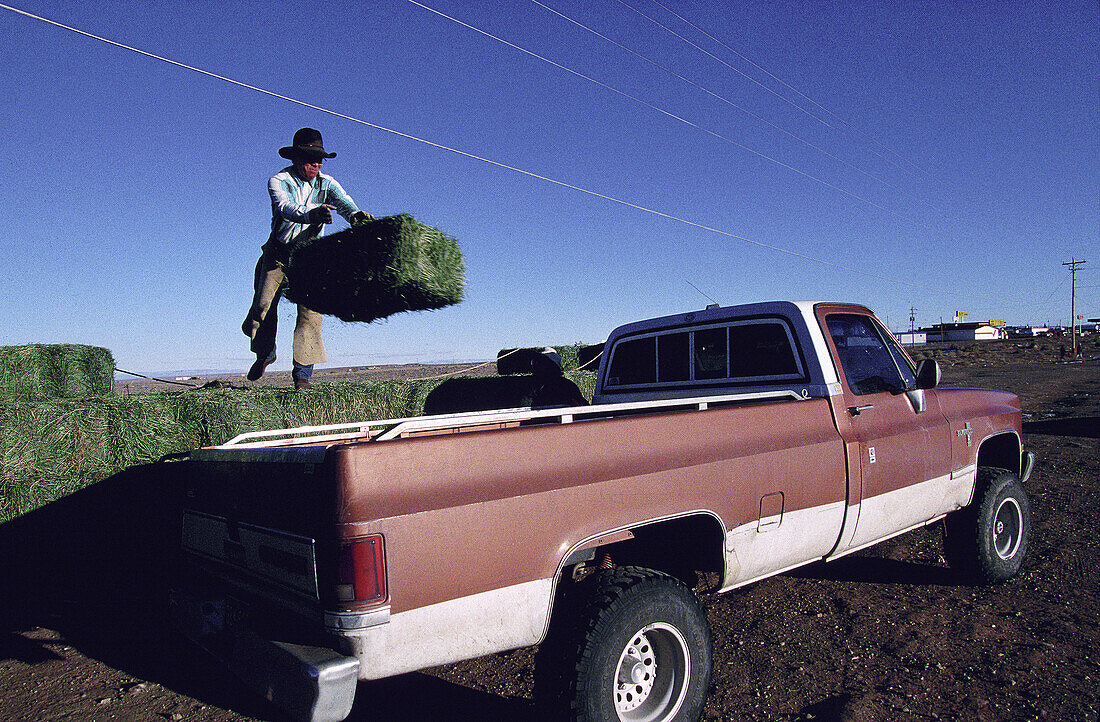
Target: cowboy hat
x: 307, y: 143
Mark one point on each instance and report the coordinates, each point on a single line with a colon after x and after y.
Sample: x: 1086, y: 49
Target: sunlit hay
x: 50, y: 449
x: 39, y: 372
x: 585, y: 381
x: 376, y: 269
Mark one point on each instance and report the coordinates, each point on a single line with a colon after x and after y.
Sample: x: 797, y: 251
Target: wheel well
x: 686, y: 548
x: 1001, y: 451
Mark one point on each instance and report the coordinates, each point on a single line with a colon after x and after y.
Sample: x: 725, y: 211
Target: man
x: 302, y: 200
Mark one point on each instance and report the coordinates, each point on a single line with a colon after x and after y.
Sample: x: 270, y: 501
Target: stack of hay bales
x: 376, y: 269
x: 62, y: 428
x: 52, y: 422
x: 40, y: 372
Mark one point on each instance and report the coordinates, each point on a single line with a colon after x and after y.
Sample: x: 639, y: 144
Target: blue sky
x: 937, y: 155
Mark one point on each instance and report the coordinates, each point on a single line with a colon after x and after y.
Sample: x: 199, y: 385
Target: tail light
x: 362, y: 572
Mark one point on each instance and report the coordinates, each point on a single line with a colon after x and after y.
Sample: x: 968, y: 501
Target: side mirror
x: 928, y: 374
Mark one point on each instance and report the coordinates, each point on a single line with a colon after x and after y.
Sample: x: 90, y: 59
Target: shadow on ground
x: 416, y: 697
x: 878, y: 570
x: 95, y: 566
x: 1086, y: 427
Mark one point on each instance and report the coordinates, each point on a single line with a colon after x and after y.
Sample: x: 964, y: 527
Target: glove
x: 321, y: 214
x: 361, y: 217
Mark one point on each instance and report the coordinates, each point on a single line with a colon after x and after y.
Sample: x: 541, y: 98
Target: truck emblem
x: 966, y: 431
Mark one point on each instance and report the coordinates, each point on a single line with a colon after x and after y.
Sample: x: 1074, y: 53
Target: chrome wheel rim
x: 652, y: 675
x: 1007, y: 525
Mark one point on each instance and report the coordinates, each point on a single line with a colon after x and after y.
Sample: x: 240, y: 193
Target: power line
x: 720, y: 97
x: 771, y: 75
x: 706, y: 52
x: 488, y: 161
x: 867, y: 136
x: 672, y: 115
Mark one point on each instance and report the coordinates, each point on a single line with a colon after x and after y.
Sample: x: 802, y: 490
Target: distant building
x: 953, y: 332
x: 969, y: 332
x: 912, y: 338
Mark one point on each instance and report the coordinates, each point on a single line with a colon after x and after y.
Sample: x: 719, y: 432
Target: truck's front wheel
x: 989, y: 539
x: 642, y: 651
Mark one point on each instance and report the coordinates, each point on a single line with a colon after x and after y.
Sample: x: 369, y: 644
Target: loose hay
x: 376, y: 269
x: 39, y: 372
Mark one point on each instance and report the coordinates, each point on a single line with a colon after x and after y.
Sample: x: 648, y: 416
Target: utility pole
x: 1073, y: 264
x: 912, y: 319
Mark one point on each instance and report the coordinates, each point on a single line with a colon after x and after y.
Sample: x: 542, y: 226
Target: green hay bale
x: 376, y: 269
x: 53, y: 448
x: 39, y: 372
x: 585, y: 381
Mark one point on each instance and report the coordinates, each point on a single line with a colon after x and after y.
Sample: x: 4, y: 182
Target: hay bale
x: 376, y: 269
x: 53, y: 448
x: 40, y: 372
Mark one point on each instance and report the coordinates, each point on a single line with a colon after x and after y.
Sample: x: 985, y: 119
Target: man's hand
x: 321, y: 214
x: 361, y: 217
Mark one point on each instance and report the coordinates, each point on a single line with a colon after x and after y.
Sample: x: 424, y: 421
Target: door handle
x: 857, y: 410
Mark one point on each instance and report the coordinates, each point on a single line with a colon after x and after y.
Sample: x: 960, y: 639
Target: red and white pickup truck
x: 728, y: 444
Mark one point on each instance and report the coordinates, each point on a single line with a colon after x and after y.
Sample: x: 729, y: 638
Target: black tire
x: 639, y: 650
x: 989, y: 539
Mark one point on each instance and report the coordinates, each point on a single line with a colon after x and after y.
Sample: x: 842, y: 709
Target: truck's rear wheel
x: 641, y: 653
x: 989, y: 539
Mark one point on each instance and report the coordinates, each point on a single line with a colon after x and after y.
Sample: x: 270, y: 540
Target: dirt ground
x: 888, y: 634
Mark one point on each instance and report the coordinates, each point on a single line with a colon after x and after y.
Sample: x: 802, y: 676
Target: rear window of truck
x: 757, y: 351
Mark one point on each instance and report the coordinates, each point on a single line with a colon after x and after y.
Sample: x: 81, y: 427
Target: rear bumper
x: 314, y: 684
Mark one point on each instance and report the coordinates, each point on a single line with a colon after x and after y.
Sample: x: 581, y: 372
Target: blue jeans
x: 302, y: 373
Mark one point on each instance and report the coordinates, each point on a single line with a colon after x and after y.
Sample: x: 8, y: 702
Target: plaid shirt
x: 292, y: 198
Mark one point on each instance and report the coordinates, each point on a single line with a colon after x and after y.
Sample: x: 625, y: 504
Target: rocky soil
x: 888, y: 634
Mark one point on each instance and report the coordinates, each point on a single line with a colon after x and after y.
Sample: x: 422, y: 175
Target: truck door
x: 903, y: 441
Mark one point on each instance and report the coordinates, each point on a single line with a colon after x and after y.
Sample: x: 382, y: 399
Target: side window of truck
x: 868, y: 359
x: 758, y: 351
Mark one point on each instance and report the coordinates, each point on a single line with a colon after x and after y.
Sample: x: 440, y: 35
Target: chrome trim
x: 966, y: 470
x: 258, y: 445
x: 567, y: 559
x: 344, y: 622
x: 1029, y: 466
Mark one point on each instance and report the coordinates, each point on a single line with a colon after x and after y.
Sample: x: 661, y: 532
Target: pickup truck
x: 722, y: 446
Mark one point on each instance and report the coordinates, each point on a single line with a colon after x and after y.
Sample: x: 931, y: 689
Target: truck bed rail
x: 386, y: 430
